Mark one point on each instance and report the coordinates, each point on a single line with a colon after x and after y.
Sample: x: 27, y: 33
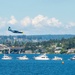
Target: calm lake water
x: 35, y: 67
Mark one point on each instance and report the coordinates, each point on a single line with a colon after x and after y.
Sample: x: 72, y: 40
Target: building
x: 4, y: 49
x: 57, y: 50
x: 72, y: 50
x: 28, y: 51
x: 16, y: 50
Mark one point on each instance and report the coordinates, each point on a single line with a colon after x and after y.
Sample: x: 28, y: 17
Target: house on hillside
x: 16, y: 50
x: 72, y: 50
x: 4, y: 49
x: 28, y: 52
x: 57, y: 50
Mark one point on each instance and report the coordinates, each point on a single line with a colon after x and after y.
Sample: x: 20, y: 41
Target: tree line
x: 47, y: 46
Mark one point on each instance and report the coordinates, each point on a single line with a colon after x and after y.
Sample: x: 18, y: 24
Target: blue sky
x: 35, y: 17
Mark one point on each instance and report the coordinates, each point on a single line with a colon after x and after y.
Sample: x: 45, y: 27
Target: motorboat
x: 5, y: 57
x: 23, y: 57
x: 57, y: 58
x: 41, y: 57
x: 73, y: 58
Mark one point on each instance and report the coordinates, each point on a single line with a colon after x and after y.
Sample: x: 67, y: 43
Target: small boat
x: 41, y: 57
x: 72, y: 58
x: 57, y: 58
x: 5, y: 57
x: 23, y: 57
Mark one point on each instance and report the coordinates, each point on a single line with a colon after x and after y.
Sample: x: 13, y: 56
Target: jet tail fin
x: 9, y: 28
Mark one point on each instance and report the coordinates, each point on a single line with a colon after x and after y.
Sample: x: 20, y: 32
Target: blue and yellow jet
x: 14, y: 31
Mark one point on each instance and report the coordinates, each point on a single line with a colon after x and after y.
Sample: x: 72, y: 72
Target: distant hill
x: 37, y: 37
x: 48, y: 37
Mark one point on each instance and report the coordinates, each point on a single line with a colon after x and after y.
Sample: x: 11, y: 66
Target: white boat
x: 41, y: 57
x: 23, y: 57
x: 57, y: 58
x: 5, y: 57
x: 73, y: 58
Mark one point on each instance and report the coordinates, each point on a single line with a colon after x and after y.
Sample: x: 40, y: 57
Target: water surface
x: 35, y: 67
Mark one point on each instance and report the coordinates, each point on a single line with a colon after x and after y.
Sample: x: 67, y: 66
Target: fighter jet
x: 14, y: 31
